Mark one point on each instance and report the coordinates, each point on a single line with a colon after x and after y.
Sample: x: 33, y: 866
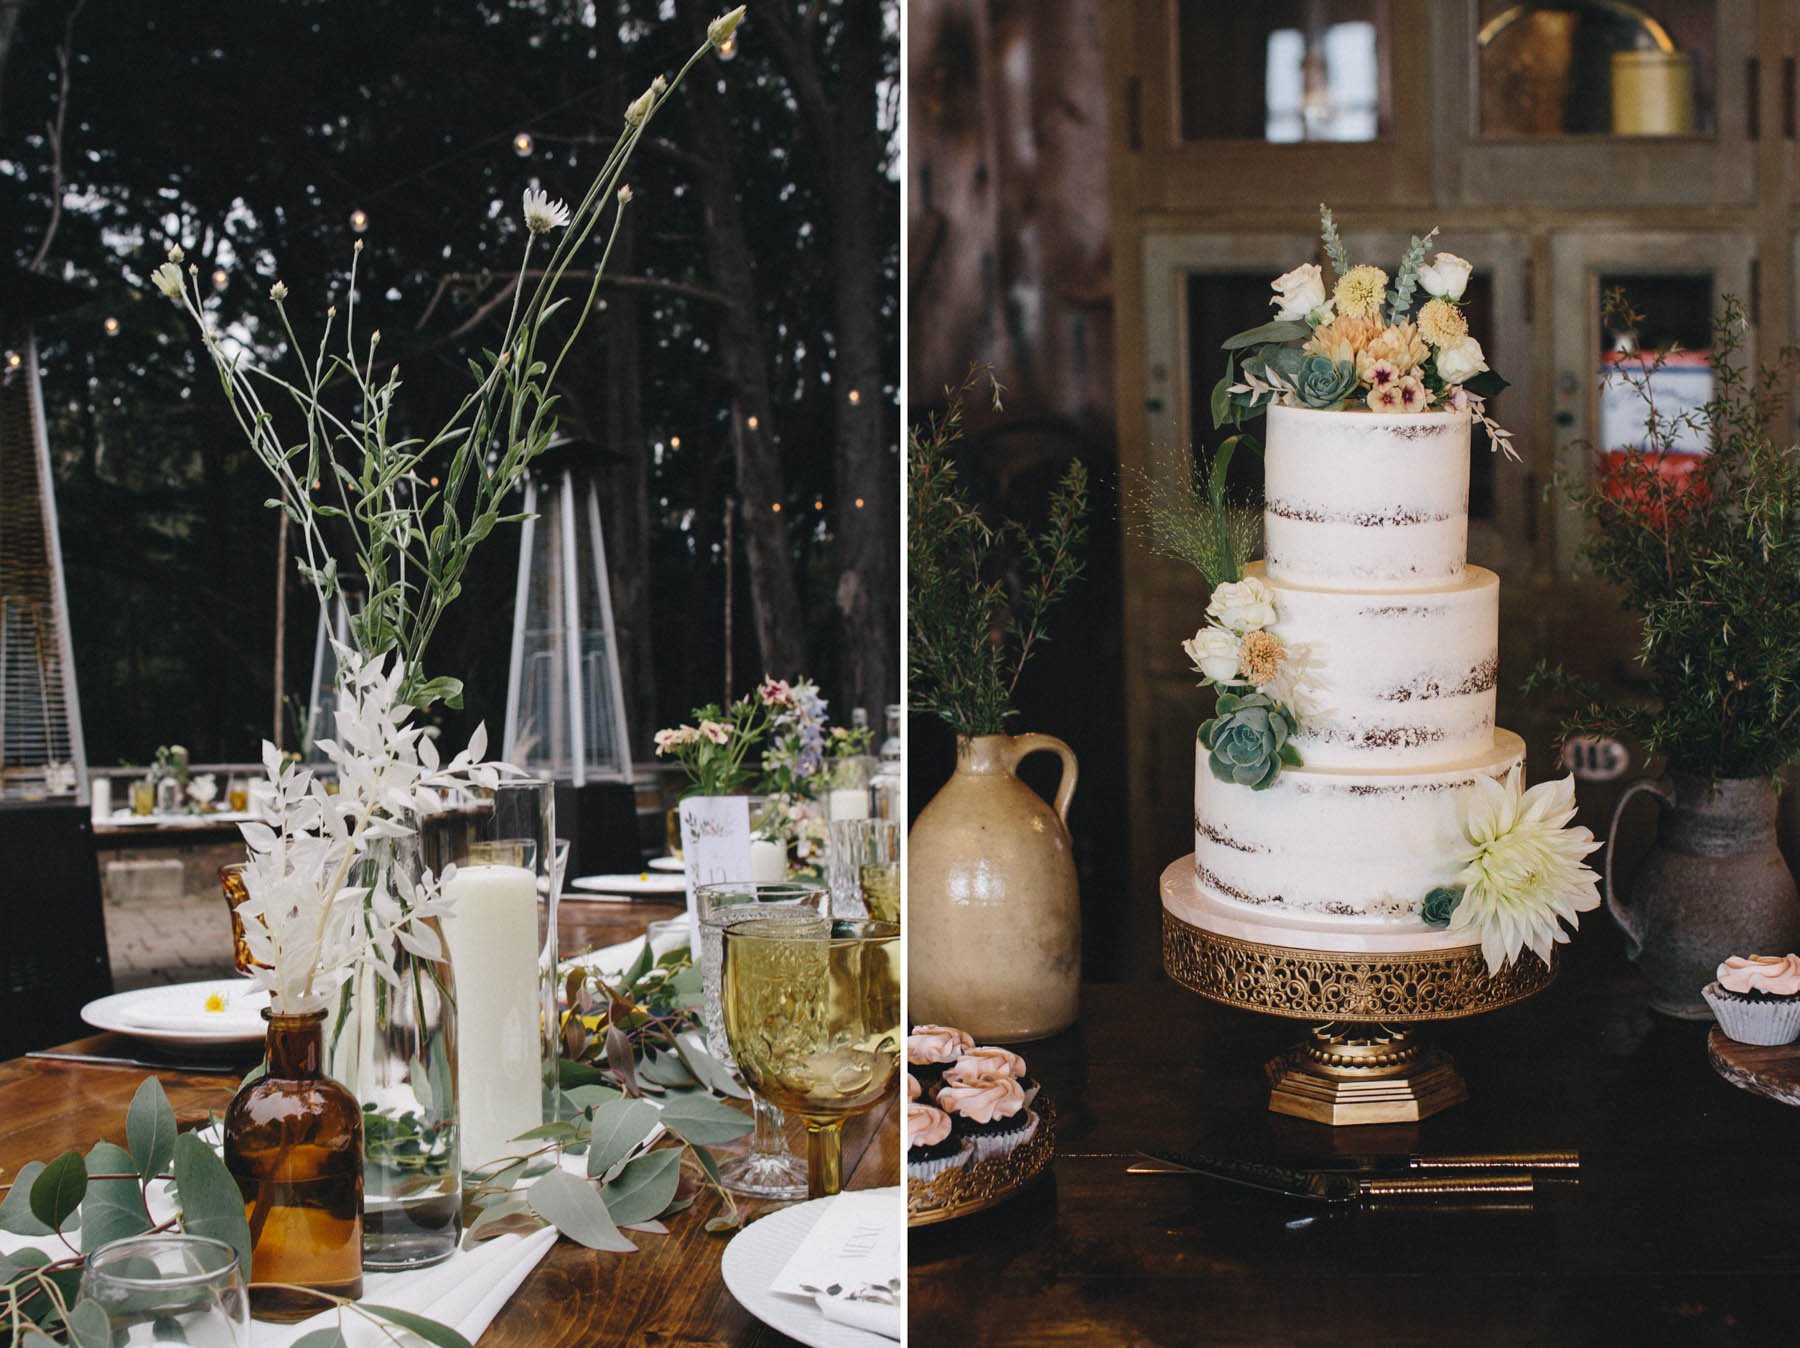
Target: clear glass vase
x: 393, y: 1045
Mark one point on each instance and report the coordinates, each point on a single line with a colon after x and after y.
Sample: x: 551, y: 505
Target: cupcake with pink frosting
x: 1757, y: 998
x: 988, y: 1061
x: 932, y: 1146
x: 931, y: 1049
x: 989, y: 1109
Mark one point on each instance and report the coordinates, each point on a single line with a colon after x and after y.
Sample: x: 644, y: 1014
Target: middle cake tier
x: 1362, y: 847
x: 1398, y: 680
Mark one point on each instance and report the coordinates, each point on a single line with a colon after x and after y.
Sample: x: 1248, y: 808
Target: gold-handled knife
x: 1337, y: 1186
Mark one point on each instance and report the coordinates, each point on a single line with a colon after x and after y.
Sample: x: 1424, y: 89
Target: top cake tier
x: 1364, y: 500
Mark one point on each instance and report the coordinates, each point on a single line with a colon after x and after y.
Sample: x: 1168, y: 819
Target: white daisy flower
x: 542, y: 214
x: 1523, y: 873
x: 168, y: 280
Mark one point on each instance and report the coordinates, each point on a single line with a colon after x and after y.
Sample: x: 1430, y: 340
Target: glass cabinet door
x: 1280, y: 101
x: 1674, y: 281
x: 1599, y: 101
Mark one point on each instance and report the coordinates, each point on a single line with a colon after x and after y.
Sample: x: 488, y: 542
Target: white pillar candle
x: 848, y: 802
x: 768, y: 861
x: 492, y: 933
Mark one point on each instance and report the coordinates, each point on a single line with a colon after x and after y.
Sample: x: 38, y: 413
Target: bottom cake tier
x: 1359, y: 848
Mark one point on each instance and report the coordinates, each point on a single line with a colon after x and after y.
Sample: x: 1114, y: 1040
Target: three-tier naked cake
x: 1365, y: 528
x: 1352, y: 793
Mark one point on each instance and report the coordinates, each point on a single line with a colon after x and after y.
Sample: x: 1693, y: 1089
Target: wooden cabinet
x: 1556, y: 182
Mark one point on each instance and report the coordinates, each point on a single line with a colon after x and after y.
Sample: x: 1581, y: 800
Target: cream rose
x: 1298, y: 292
x: 1214, y: 652
x: 1446, y: 276
x: 1246, y: 605
x: 1460, y: 360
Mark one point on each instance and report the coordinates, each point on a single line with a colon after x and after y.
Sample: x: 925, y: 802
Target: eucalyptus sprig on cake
x: 1364, y: 343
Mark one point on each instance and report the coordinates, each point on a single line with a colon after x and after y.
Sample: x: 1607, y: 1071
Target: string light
x: 859, y: 503
x: 855, y: 397
x: 434, y: 482
x: 111, y: 325
x: 219, y: 278
x: 776, y: 507
x: 522, y: 144
x: 753, y: 423
x: 674, y: 442
x: 728, y: 48
x: 818, y: 504
x: 359, y: 220
x: 14, y: 360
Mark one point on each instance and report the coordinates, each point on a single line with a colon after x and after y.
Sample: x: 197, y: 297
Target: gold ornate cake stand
x: 981, y: 1185
x: 1363, y: 1061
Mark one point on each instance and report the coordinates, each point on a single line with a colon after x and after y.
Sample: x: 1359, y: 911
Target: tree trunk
x: 774, y: 590
x: 840, y: 122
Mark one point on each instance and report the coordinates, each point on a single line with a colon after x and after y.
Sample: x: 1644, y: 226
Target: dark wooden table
x: 669, y: 1292
x: 1682, y: 1229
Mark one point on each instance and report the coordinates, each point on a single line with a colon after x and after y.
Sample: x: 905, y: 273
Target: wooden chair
x: 53, y: 957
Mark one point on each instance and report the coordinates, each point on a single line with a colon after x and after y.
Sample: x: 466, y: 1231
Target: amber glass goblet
x: 812, y: 1012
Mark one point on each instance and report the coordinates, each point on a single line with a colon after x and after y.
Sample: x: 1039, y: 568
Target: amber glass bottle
x: 293, y: 1142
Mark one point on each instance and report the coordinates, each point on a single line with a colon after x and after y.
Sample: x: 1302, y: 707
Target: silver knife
x: 101, y: 1060
x: 1334, y: 1186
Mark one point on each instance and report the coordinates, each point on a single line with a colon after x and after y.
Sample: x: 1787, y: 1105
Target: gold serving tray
x: 981, y: 1185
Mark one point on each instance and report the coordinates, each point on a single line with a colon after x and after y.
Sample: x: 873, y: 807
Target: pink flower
x: 1383, y: 374
x: 1384, y: 399
x: 1414, y: 396
x: 668, y: 740
x: 776, y: 692
x: 716, y: 731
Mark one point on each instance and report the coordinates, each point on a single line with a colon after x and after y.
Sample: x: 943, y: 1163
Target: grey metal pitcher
x: 1713, y: 885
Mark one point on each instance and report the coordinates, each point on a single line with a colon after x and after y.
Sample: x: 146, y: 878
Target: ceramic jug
x: 1713, y: 885
x: 993, y: 922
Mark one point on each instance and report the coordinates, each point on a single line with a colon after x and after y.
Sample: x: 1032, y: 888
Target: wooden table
x: 669, y: 1292
x: 1683, y: 1227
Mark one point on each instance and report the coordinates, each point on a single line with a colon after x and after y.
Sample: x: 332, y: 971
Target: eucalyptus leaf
x: 15, y: 1211
x: 697, y: 1117
x: 211, y: 1203
x: 330, y: 1337
x: 640, y: 966
x: 88, y: 1326
x: 114, y: 1208
x: 1279, y: 330
x: 618, y: 1126
x: 644, y: 1187
x: 590, y: 1097
x: 708, y: 1070
x: 150, y: 1129
x: 665, y: 1069
x: 58, y: 1191
x: 430, y: 1330
x: 570, y: 1074
x: 575, y: 1208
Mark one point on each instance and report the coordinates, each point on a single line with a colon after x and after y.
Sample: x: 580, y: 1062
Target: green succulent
x: 1439, y: 904
x: 1324, y: 383
x: 1247, y: 739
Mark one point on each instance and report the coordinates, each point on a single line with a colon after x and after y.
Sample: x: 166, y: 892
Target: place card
x: 852, y: 1261
x: 715, y: 845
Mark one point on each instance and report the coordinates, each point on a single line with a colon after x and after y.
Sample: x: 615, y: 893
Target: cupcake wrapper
x: 930, y: 1170
x: 998, y: 1144
x: 1771, y: 1021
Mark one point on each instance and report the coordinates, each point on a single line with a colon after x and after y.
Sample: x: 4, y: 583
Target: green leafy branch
x: 1400, y: 296
x: 1334, y: 245
x: 970, y: 637
x: 1193, y: 521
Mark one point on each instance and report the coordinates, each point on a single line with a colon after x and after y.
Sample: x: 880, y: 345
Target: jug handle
x: 1665, y: 793
x: 1023, y: 746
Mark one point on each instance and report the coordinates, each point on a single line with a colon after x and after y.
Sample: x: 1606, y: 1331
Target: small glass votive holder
x: 184, y: 1289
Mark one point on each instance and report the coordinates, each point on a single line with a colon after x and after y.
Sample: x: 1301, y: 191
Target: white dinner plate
x: 755, y: 1258
x: 667, y: 864
x: 176, y: 1016
x: 632, y: 882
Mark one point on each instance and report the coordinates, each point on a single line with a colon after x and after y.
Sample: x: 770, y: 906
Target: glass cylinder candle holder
x: 169, y: 1288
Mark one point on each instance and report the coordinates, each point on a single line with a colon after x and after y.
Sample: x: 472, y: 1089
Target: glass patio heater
x: 565, y: 707
x: 41, y: 752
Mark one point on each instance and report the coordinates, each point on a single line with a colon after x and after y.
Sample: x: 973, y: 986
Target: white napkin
x: 465, y: 1292
x: 612, y: 961
x: 855, y: 1243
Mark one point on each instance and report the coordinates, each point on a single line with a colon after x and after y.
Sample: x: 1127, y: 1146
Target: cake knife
x: 1336, y: 1186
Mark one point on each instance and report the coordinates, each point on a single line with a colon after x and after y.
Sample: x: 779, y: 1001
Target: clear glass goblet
x: 768, y: 1169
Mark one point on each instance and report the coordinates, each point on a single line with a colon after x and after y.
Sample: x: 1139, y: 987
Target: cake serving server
x: 1337, y: 1186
